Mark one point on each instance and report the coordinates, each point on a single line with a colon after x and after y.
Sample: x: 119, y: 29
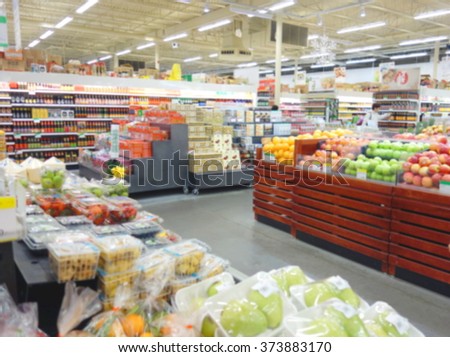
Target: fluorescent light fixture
x: 192, y: 59
x: 250, y: 15
x: 105, y: 58
x: 273, y: 61
x: 312, y: 37
x: 147, y: 45
x: 34, y: 43
x: 314, y: 55
x: 214, y: 25
x: 263, y: 11
x: 63, y: 22
x: 250, y: 64
x: 319, y: 20
x: 362, y: 27
x: 206, y: 9
x: 362, y: 49
x: 86, y: 6
x: 213, y: 55
x: 124, y: 52
x: 423, y: 40
x: 92, y: 61
x: 362, y: 13
x: 282, y: 5
x: 48, y: 26
x: 363, y: 60
x: 288, y: 69
x: 46, y: 34
x: 410, y: 55
x: 175, y: 37
x: 427, y: 15
x: 323, y: 65
x: 267, y: 71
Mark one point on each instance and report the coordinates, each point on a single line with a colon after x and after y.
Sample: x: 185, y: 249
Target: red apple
x: 443, y: 149
x: 407, y: 166
x: 424, y: 161
x: 423, y: 171
x: 436, y: 178
x: 444, y: 169
x: 430, y: 154
x: 442, y: 140
x: 413, y: 159
x: 435, y: 161
x: 433, y: 169
x: 408, y: 177
x: 445, y: 178
x: 443, y: 158
x: 417, y: 180
x: 415, y: 168
x: 427, y: 182
x: 434, y: 147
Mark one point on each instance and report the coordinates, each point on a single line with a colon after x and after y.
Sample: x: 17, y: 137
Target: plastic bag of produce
x: 78, y: 305
x: 315, y: 293
x: 289, y: 276
x: 17, y: 321
x: 382, y: 320
x: 13, y: 169
x: 333, y: 318
x: 254, y: 307
x: 33, y: 168
x: 189, y: 255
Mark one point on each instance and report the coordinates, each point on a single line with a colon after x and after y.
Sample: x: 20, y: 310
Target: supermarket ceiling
x: 111, y: 26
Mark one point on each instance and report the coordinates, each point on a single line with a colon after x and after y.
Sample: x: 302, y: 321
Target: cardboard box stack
x: 210, y: 142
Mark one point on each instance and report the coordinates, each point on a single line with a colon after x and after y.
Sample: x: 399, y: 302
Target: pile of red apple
x: 427, y: 169
x: 345, y: 147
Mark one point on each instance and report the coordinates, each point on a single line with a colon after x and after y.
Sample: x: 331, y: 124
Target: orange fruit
x: 276, y: 140
x: 146, y: 334
x: 291, y: 140
x: 133, y: 325
x: 116, y: 330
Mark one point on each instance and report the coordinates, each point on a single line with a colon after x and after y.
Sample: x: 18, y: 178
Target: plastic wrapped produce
x: 75, y: 222
x: 93, y: 208
x: 118, y: 253
x: 103, y: 231
x: 108, y: 283
x: 34, y: 210
x: 147, y: 216
x: 73, y: 261
x: 39, y: 241
x: 54, y: 205
x: 122, y: 209
x: 212, y: 265
x: 332, y: 318
x: 78, y: 305
x: 33, y: 220
x: 317, y: 292
x: 189, y: 255
x: 45, y: 227
x: 182, y: 281
x: 52, y: 177
x: 143, y: 229
x: 289, y: 276
x: 381, y: 320
x: 254, y: 307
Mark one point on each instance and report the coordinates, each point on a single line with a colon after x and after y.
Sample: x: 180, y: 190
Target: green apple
x: 369, y: 151
x: 243, y: 318
x: 324, y: 327
x: 373, y: 144
x: 362, y: 157
x: 46, y: 183
x: 316, y: 293
x: 209, y: 327
x: 348, y: 296
x: 388, y: 327
x: 58, y: 181
x: 288, y: 277
x: 271, y: 306
x: 352, y: 324
x: 214, y: 289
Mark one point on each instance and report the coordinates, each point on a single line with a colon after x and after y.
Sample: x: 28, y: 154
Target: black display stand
x: 7, y: 268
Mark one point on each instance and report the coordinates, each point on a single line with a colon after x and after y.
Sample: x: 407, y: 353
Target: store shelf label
x: 361, y: 174
x: 444, y: 187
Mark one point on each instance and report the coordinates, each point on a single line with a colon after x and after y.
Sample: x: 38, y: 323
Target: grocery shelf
x: 56, y: 149
x: 3, y: 123
x: 397, y: 100
x: 398, y: 121
x: 399, y: 111
x: 69, y: 105
x: 352, y: 112
x: 5, y: 105
x: 5, y: 114
x: 64, y: 119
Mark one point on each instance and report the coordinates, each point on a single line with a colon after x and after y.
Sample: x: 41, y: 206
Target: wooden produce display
x: 420, y: 235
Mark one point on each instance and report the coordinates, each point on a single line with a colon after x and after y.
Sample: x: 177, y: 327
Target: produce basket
x: 93, y: 208
x: 108, y: 283
x: 114, y: 229
x: 75, y: 222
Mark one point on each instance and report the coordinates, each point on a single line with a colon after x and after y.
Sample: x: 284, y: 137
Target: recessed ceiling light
x: 424, y: 40
x: 124, y: 52
x: 87, y: 5
x: 273, y: 61
x: 192, y: 59
x: 363, y: 60
x: 250, y: 64
x: 46, y: 34
x: 362, y: 13
x: 34, y: 43
x: 312, y: 37
x: 147, y: 45
x: 314, y: 55
x: 263, y: 11
x: 92, y: 61
x: 282, y: 5
x: 214, y: 25
x: 362, y: 27
x: 323, y: 65
x: 105, y: 58
x: 427, y: 15
x: 289, y: 69
x: 63, y: 22
x: 362, y: 49
x: 410, y: 55
x: 213, y: 55
x: 175, y: 37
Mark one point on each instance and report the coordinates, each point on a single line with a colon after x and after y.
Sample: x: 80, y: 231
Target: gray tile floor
x: 225, y: 221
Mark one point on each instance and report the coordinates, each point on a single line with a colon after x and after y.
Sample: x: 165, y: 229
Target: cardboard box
x: 208, y: 156
x: 55, y: 58
x: 232, y: 165
x: 231, y: 155
x: 205, y: 166
x: 13, y: 55
x: 15, y: 66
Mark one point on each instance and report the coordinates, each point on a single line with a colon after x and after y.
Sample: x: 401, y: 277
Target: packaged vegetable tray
x: 118, y: 253
x: 143, y: 229
x: 148, y: 216
x: 188, y: 255
x: 212, y: 265
x: 73, y: 261
x: 34, y: 210
x: 44, y: 238
x: 45, y: 227
x: 93, y: 208
x: 54, y: 204
x: 109, y: 230
x: 75, y: 222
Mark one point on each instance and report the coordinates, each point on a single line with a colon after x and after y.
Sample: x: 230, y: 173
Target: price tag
x: 36, y: 120
x: 17, y: 136
x: 347, y: 310
x: 361, y: 174
x: 32, y: 93
x: 38, y: 135
x: 82, y: 135
x: 399, y: 322
x: 444, y: 187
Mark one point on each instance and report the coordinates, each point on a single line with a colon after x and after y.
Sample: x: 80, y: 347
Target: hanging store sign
x: 402, y: 79
x: 340, y: 74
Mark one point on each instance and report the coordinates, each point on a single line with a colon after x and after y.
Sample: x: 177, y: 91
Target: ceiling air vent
x: 233, y: 48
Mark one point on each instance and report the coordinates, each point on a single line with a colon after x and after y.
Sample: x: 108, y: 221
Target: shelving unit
x: 435, y: 104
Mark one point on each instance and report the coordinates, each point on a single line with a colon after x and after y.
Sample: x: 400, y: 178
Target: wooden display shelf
x: 420, y: 233
x: 344, y: 213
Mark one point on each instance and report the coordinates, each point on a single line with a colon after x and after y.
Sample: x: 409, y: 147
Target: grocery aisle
x: 225, y: 221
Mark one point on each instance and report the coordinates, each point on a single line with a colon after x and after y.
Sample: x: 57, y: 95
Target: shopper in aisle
x: 372, y: 118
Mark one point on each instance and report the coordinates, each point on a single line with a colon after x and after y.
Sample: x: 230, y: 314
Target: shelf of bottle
x: 5, y: 105
x: 54, y: 149
x: 28, y: 105
x: 59, y: 134
x: 64, y: 119
x: 396, y: 100
x: 10, y: 143
x: 5, y: 114
x: 3, y: 123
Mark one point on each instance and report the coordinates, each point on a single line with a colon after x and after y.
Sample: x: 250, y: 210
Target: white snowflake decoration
x: 324, y: 49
